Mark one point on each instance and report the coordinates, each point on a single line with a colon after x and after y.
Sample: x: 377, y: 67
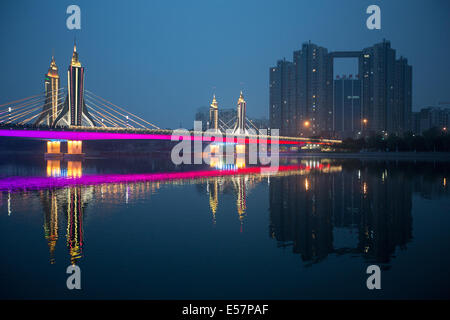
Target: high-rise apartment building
x: 301, y: 103
x: 282, y: 112
x: 402, y: 119
x: 347, y: 120
x: 431, y: 117
x: 313, y: 88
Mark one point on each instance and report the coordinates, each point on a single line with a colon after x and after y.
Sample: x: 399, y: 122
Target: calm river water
x: 143, y: 229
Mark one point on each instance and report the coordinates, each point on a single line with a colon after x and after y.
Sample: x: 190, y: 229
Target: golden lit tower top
x: 241, y: 98
x: 51, y: 105
x: 240, y: 127
x: 75, y: 62
x: 74, y: 111
x: 214, y: 115
x: 214, y: 103
x: 53, y: 69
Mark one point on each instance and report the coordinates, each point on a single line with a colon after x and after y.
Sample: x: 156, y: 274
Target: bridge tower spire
x: 75, y: 112
x: 51, y: 85
x: 240, y: 127
x: 214, y: 115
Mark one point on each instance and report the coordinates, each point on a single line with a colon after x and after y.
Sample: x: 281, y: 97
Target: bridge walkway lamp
x: 9, y: 114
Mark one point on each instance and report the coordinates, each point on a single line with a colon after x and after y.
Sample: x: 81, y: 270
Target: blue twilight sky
x: 163, y: 59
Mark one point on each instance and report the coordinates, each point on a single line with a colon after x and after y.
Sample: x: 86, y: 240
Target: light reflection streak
x: 19, y: 183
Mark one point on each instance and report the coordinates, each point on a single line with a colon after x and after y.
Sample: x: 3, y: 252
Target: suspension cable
x: 113, y: 116
x: 123, y: 109
x: 118, y: 113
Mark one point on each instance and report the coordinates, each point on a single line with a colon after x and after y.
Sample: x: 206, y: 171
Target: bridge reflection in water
x: 312, y: 203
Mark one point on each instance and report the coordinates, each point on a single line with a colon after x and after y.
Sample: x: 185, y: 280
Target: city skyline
x: 167, y: 67
x: 197, y: 153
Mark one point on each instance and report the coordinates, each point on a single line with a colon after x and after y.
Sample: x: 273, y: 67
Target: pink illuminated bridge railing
x: 158, y: 135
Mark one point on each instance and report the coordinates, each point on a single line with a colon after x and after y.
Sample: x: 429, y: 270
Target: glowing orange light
x: 214, y: 149
x: 240, y: 148
x: 307, y: 124
x: 53, y: 168
x: 74, y: 169
x: 240, y: 163
x: 365, y: 121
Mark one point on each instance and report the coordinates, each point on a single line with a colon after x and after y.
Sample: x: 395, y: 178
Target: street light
x: 306, y: 124
x: 364, y: 121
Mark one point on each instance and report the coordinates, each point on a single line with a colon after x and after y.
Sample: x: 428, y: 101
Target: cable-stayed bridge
x: 31, y: 117
x: 75, y: 114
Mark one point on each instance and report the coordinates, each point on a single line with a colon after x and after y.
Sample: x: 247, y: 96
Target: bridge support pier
x: 74, y: 149
x: 240, y: 155
x: 53, y: 150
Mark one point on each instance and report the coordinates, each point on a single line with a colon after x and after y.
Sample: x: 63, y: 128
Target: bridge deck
x: 157, y: 134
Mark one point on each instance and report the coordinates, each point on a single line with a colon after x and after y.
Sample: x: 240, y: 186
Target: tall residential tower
x: 303, y: 105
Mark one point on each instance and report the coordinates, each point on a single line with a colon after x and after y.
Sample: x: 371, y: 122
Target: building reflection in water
x: 240, y: 184
x: 71, y: 202
x: 50, y: 207
x: 311, y: 202
x: 213, y: 190
x: 305, y: 212
x: 74, y: 233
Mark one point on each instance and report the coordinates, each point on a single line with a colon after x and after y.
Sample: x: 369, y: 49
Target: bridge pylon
x: 74, y: 112
x: 240, y: 127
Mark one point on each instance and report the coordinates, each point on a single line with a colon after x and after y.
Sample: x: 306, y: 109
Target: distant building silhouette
x: 283, y: 113
x: 347, y: 120
x: 302, y: 91
x: 387, y: 89
x: 313, y: 84
x: 431, y: 117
